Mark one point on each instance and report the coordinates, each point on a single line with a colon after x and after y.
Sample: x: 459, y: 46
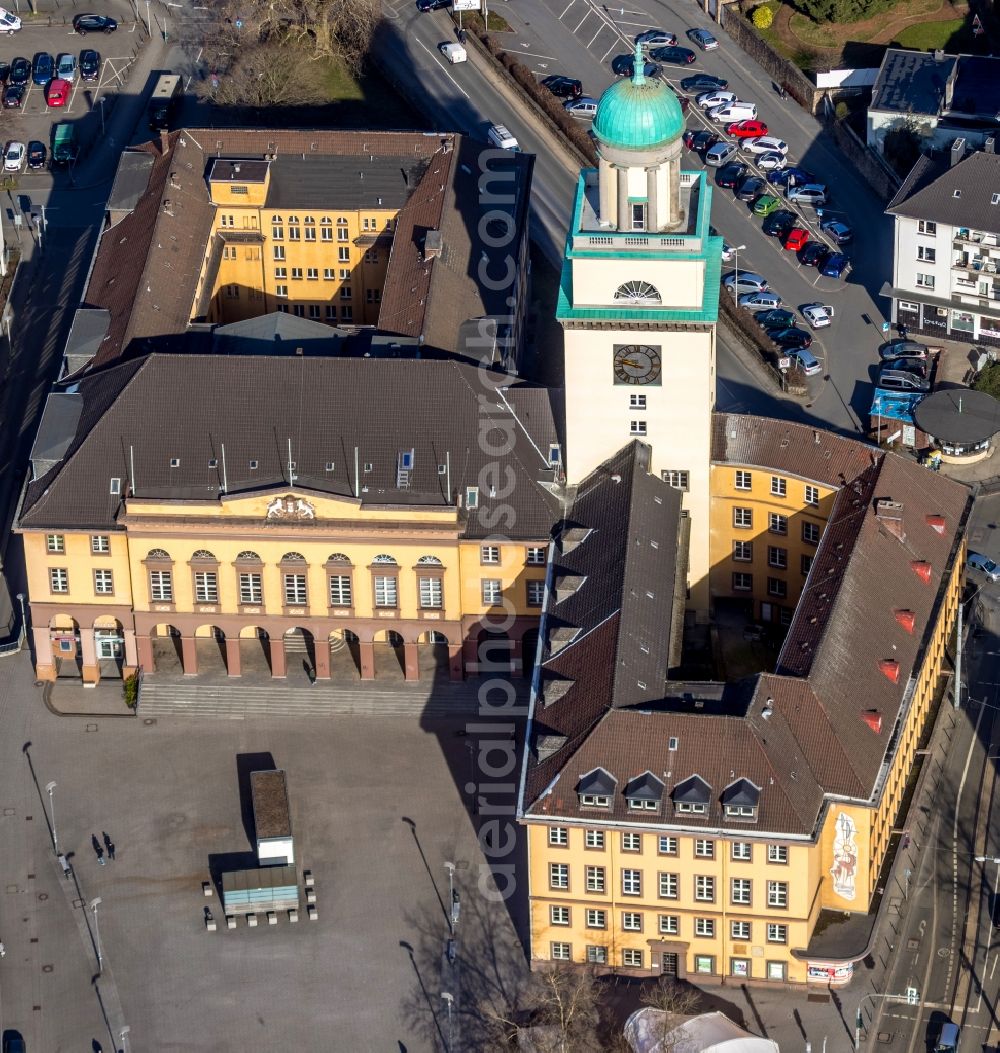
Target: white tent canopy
x: 708, y: 1033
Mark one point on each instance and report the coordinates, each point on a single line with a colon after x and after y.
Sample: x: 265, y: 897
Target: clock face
x: 637, y: 364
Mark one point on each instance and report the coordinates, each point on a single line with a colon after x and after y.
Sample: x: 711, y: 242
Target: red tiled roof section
x: 257, y: 142
x: 793, y: 449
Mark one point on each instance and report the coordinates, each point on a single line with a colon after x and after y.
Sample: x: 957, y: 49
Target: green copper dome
x: 638, y: 113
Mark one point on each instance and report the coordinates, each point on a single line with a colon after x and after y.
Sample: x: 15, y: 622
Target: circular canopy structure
x: 638, y: 113
x: 959, y: 416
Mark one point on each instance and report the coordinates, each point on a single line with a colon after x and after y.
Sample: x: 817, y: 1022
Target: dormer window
x: 644, y: 793
x: 740, y: 800
x: 740, y: 811
x: 692, y: 796
x: 637, y: 804
x: 596, y: 789
x: 595, y: 800
x: 687, y: 808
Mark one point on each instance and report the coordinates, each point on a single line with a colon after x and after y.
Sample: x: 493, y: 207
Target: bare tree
x: 269, y: 74
x: 675, y: 1003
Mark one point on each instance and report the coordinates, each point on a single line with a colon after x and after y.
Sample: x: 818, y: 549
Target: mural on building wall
x: 845, y: 858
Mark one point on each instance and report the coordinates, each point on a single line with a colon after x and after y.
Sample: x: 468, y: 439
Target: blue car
x: 835, y: 265
x: 42, y: 68
x: 792, y: 176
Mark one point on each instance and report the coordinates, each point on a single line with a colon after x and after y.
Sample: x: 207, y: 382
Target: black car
x: 90, y: 64
x: 919, y: 367
x: 4, y: 72
x: 84, y: 24
x: 750, y: 188
x: 814, y: 254
x: 791, y: 339
x: 777, y: 318
x: 702, y: 82
x: 731, y: 175
x: 700, y: 139
x: 622, y: 65
x: 778, y: 224
x: 36, y: 154
x: 677, y: 56
x: 20, y: 71
x: 563, y: 87
x: 13, y: 96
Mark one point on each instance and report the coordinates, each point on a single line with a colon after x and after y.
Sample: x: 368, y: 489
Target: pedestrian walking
x: 109, y: 845
x: 3, y: 951
x: 64, y: 863
x: 98, y: 850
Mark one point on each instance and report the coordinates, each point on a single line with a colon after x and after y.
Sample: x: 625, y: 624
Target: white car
x: 818, y: 315
x: 760, y: 301
x: 765, y: 144
x: 9, y: 22
x: 13, y: 156
x: 501, y: 138
x: 770, y: 162
x: 727, y: 252
x: 715, y: 98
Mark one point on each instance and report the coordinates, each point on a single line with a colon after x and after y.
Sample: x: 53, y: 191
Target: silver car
x: 745, y: 282
x: 66, y: 67
x: 811, y: 194
x: 760, y: 301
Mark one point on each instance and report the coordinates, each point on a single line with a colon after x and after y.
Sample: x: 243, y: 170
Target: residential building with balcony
x: 946, y: 255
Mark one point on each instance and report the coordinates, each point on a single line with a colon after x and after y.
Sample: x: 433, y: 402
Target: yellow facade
x: 328, y: 265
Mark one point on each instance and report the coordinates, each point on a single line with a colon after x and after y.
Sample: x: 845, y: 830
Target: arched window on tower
x: 638, y: 293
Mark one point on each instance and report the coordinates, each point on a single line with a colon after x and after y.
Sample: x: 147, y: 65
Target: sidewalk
x: 69, y: 698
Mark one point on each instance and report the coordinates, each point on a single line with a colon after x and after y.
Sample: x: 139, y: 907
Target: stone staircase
x: 221, y: 699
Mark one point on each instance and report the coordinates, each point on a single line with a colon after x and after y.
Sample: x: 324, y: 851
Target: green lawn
x: 364, y: 101
x: 928, y: 36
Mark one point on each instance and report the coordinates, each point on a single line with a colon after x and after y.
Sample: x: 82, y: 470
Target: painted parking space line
x: 582, y: 20
x: 595, y: 36
x: 535, y: 54
x: 566, y: 8
x: 438, y: 61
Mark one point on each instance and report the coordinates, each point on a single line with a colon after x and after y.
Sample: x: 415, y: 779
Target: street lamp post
x: 49, y: 788
x: 736, y: 278
x: 912, y: 997
x: 453, y: 898
x: 996, y: 879
x: 448, y: 999
x: 94, y: 904
x: 123, y: 1035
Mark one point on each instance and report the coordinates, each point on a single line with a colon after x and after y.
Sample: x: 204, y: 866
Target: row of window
x: 370, y: 223
x: 776, y: 524
x: 644, y: 804
x: 777, y: 557
x: 779, y: 487
x: 668, y: 885
x: 311, y: 274
x: 667, y: 845
x: 776, y: 587
x: 667, y: 924
x: 704, y: 964
x: 99, y: 543
x: 343, y: 254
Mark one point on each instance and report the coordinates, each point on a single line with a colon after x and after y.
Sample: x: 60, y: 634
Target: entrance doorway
x: 668, y: 964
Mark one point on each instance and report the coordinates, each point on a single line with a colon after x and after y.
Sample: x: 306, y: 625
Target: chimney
x: 164, y: 141
x: 990, y: 146
x: 433, y: 244
x: 889, y: 668
x: 890, y: 515
x: 907, y: 619
x: 957, y: 151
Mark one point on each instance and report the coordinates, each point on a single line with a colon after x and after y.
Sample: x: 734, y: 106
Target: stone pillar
x: 88, y: 652
x: 276, y: 649
x: 45, y: 663
x: 456, y: 668
x: 321, y: 645
x: 144, y: 654
x: 131, y: 655
x: 652, y: 199
x: 606, y: 190
x: 411, y: 661
x: 367, y: 656
x: 674, y: 192
x: 624, y: 217
x: 470, y: 652
x: 189, y: 655
x: 517, y: 658
x: 234, y: 664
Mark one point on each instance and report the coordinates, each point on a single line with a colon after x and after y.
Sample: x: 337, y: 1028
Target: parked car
x: 805, y: 361
x: 794, y: 175
x: 900, y: 380
x: 57, y: 93
x: 947, y: 1039
x: 13, y: 156
x: 728, y: 252
x: 4, y: 72
x: 9, y: 22
x: 674, y: 55
x: 796, y: 239
x: 779, y: 223
x: 903, y: 349
x: 770, y: 162
x: 919, y: 367
x: 66, y: 67
x: 734, y: 111
x: 984, y: 565
x: 760, y: 301
x: 766, y: 204
x: 563, y: 87
x: 776, y: 318
x: 700, y: 139
x: 839, y: 233
x: 90, y: 64
x: 811, y: 194
x: 20, y: 71
x: 701, y: 82
x: 13, y: 96
x: 815, y: 254
x: 835, y: 265
x: 703, y: 39
x: 622, y: 66
x: 13, y: 1041
x: 88, y: 23
x: 790, y: 339
x: 818, y: 315
x: 42, y: 68
x: 432, y: 5
x: 716, y: 97
x: 656, y: 38
x: 744, y: 282
x: 731, y: 175
x: 765, y: 144
x: 36, y: 154
x: 585, y: 106
x: 750, y: 188
x: 747, y: 129
x: 716, y: 156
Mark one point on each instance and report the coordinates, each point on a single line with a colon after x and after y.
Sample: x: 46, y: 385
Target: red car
x: 796, y: 239
x: 747, y: 129
x: 57, y: 92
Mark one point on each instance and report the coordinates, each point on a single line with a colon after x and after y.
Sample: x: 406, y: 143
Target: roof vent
x: 547, y: 745
x: 890, y: 515
x: 433, y: 244
x: 889, y: 668
x: 957, y: 153
x: 568, y: 585
x: 936, y: 523
x: 873, y: 719
x: 907, y: 619
x: 561, y: 637
x: 768, y: 709
x: 922, y: 569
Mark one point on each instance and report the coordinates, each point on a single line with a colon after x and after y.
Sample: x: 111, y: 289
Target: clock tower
x: 638, y: 303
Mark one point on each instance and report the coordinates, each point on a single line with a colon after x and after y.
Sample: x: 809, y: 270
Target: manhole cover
x: 944, y: 953
x: 47, y: 968
x: 149, y: 721
x: 885, y: 1037
x: 42, y: 897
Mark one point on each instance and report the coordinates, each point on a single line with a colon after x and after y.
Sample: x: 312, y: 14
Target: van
x: 501, y: 138
x: 986, y: 566
x: 454, y: 53
x: 734, y: 111
x: 900, y: 380
x: 948, y: 1040
x: 718, y: 155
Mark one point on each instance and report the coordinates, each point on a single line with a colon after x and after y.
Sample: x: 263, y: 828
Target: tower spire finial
x: 638, y: 65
